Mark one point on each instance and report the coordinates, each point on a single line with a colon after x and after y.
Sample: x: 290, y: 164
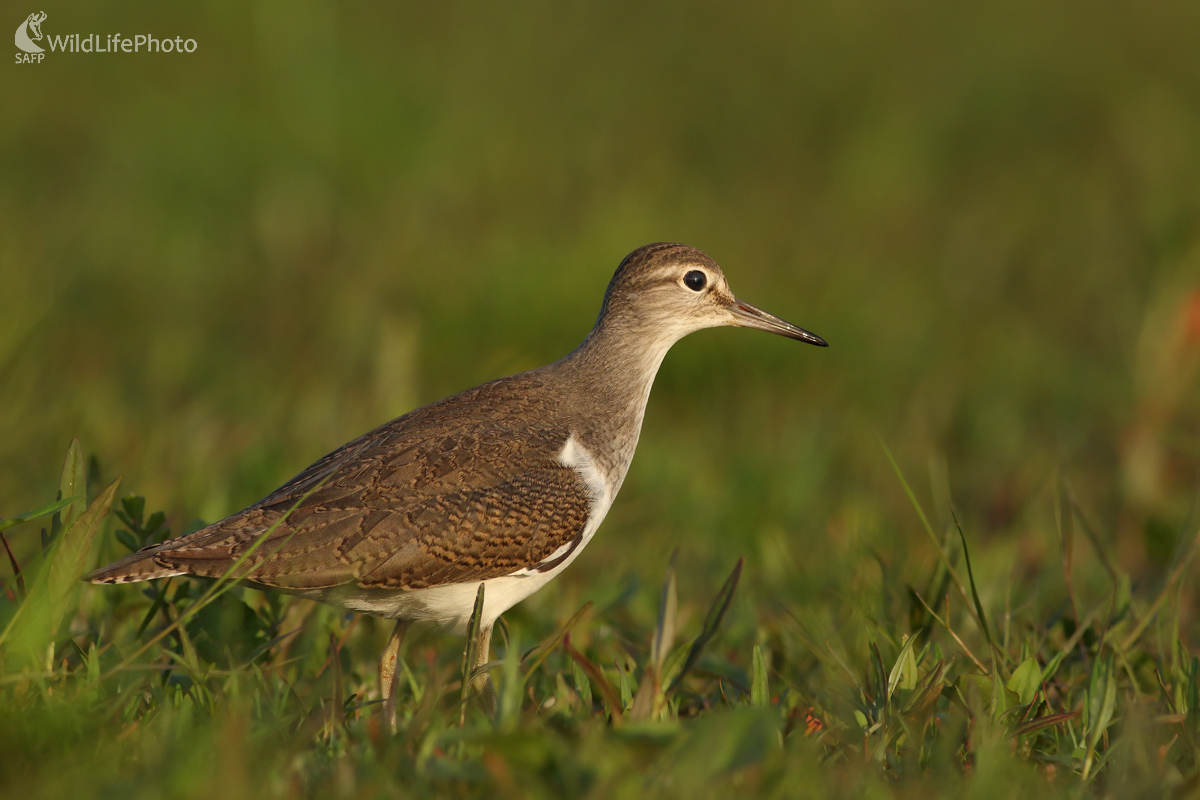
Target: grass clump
x: 192, y: 687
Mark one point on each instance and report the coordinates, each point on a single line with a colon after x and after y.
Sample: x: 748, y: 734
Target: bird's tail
x: 139, y: 566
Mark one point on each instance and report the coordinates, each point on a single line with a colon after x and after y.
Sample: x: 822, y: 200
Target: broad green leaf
x: 1003, y: 698
x: 904, y: 671
x: 760, y: 692
x: 126, y: 539
x: 1101, y: 699
x: 70, y: 560
x: 981, y: 682
x: 1026, y: 680
x: 73, y: 484
x: 910, y: 675
x: 132, y: 509
x: 39, y: 617
x: 996, y: 698
x: 672, y: 665
x: 583, y: 686
x: 642, y: 707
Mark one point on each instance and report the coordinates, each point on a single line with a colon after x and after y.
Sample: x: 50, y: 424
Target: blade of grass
x: 929, y: 688
x: 1052, y: 666
x: 1041, y: 723
x: 1101, y: 702
x: 841, y: 662
x: 646, y: 701
x: 946, y: 625
x: 712, y: 621
x: 941, y: 551
x: 879, y: 680
x: 607, y: 692
x: 38, y: 513
x: 1090, y: 532
x: 1066, y: 539
x: 337, y: 708
x: 898, y: 668
x: 160, y: 602
x: 1175, y: 575
x: 664, y: 631
x: 538, y: 654
x: 470, y: 653
x: 980, y: 617
x: 824, y: 654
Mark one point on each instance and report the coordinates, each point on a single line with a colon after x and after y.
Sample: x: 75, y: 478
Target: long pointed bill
x: 747, y: 316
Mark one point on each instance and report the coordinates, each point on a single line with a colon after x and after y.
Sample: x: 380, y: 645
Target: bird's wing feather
x: 415, y: 503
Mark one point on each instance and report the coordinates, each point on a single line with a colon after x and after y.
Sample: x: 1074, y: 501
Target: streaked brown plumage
x: 459, y: 491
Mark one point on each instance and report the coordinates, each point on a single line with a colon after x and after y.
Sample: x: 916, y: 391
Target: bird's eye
x: 695, y: 280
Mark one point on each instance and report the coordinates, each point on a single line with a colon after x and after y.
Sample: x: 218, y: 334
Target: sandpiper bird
x: 503, y: 484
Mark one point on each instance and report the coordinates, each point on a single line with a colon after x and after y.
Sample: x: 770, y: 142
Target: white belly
x: 452, y: 604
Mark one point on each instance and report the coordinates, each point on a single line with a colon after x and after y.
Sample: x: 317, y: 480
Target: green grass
x: 215, y: 269
x: 191, y: 688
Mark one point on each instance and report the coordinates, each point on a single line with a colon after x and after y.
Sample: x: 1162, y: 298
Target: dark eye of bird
x: 695, y: 280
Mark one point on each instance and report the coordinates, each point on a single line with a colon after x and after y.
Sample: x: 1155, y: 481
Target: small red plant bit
x: 16, y: 568
x: 811, y: 723
x: 1190, y: 317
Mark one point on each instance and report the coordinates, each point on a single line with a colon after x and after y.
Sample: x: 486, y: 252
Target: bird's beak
x: 747, y: 316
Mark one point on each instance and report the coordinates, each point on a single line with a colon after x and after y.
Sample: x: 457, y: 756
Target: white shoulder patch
x: 577, y: 457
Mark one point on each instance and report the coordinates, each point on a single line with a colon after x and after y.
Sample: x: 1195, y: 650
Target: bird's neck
x: 610, y: 376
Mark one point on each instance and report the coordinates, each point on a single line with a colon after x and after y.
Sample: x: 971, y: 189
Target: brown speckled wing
x: 413, y: 504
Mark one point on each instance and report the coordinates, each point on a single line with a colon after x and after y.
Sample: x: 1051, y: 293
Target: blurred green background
x: 216, y: 267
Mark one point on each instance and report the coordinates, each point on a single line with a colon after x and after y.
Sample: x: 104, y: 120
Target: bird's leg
x: 388, y: 678
x: 482, y: 684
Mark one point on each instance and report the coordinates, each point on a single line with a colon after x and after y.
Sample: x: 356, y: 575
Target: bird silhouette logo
x: 30, y: 31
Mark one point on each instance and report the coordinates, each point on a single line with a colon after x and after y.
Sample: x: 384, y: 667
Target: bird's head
x: 671, y: 290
